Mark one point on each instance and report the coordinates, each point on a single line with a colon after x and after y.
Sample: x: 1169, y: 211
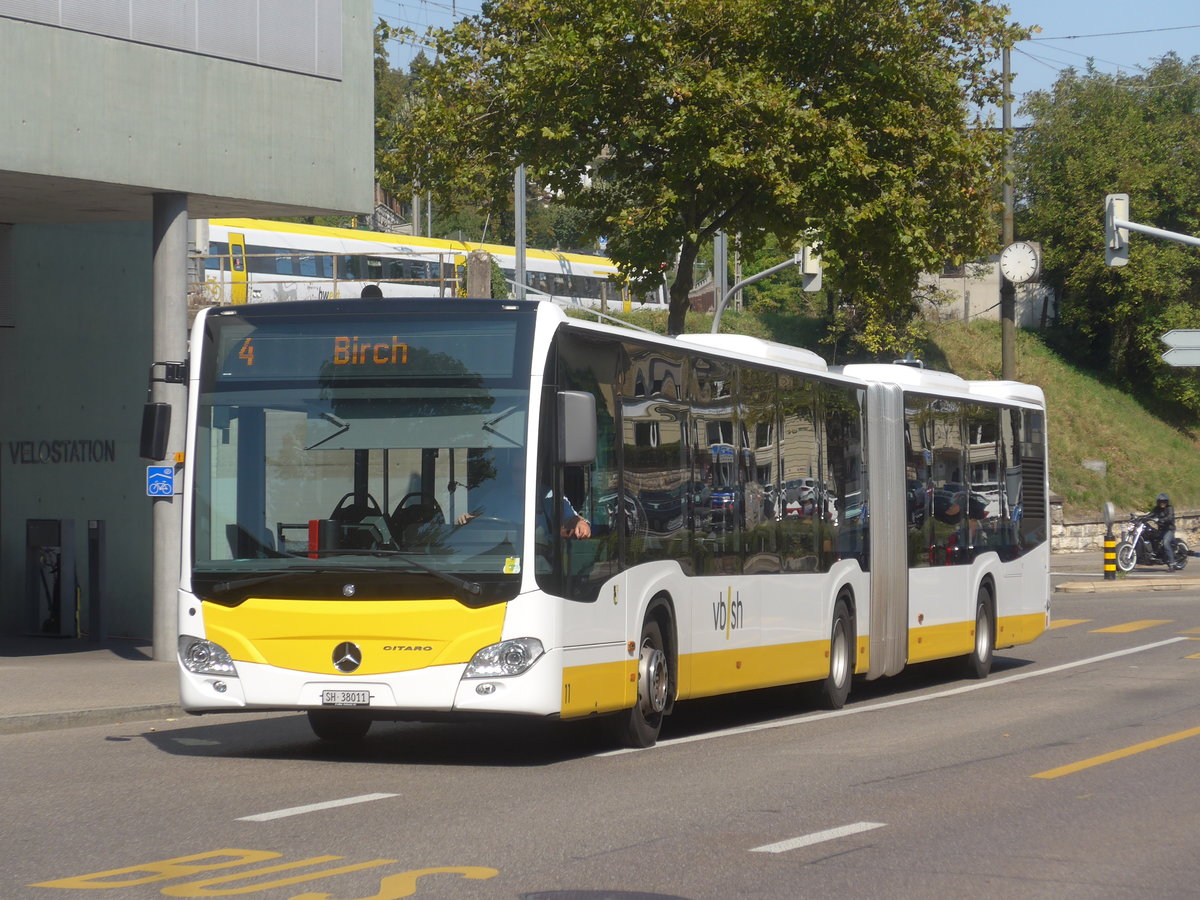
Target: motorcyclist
x: 1163, y: 516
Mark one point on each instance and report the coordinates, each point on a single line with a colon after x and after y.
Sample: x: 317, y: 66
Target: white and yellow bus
x: 401, y: 509
x: 259, y: 261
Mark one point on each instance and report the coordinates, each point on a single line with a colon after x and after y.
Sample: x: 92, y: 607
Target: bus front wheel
x: 639, y: 726
x: 342, y: 727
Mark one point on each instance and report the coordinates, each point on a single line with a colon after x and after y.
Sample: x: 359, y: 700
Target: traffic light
x: 1116, y: 239
x: 810, y: 268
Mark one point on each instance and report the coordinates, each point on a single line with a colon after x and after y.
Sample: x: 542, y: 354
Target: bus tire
x: 338, y: 726
x: 639, y: 726
x: 978, y: 663
x: 836, y: 687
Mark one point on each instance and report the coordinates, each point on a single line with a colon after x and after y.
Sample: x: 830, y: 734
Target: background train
x: 253, y: 260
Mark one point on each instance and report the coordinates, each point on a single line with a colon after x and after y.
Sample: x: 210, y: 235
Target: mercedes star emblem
x: 347, y: 657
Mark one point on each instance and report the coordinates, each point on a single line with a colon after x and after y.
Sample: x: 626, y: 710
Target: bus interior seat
x: 406, y: 520
x: 355, y: 510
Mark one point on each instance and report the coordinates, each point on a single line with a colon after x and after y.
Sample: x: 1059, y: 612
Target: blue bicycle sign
x: 160, y: 481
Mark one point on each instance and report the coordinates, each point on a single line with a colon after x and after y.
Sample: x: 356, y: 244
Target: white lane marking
x: 890, y: 704
x: 818, y: 837
x: 313, y: 807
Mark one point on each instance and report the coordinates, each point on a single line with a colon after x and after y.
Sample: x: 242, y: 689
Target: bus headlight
x: 506, y: 658
x: 204, y: 657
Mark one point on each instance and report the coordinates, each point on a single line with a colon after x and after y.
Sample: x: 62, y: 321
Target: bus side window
x: 800, y: 466
x: 577, y: 567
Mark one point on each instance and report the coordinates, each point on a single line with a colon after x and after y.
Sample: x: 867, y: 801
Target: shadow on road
x: 522, y: 742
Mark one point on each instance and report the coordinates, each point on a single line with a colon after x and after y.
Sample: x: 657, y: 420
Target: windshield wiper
x: 489, y: 425
x: 222, y: 586
x: 342, y: 426
x: 463, y: 584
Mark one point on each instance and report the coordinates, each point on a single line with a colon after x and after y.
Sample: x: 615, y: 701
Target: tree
x: 848, y: 123
x: 1094, y: 134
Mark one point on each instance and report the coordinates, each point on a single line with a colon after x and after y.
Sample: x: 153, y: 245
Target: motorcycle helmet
x: 1163, y: 498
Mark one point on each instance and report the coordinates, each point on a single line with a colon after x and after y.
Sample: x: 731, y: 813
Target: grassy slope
x: 1087, y: 419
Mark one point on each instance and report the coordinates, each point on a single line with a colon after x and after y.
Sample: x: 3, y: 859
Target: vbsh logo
x: 728, y: 613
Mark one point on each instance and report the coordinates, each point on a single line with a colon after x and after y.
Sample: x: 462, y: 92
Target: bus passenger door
x: 941, y: 609
x: 237, y: 268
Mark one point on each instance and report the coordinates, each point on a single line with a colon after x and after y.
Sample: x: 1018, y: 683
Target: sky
x: 1119, y: 35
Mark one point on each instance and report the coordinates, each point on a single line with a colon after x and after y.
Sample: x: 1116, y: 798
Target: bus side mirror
x: 156, y: 425
x: 576, y: 428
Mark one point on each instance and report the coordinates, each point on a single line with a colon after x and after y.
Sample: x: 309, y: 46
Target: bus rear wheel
x: 978, y: 662
x: 639, y: 727
x: 836, y: 687
x: 338, y: 726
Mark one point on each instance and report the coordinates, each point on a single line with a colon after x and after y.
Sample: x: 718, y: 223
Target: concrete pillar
x: 170, y: 345
x: 479, y: 274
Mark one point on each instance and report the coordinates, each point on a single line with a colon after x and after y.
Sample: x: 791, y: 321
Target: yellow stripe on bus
x: 940, y: 641
x: 958, y: 638
x: 394, y: 635
x: 598, y: 688
x: 1013, y: 630
x: 607, y: 687
x: 747, y: 668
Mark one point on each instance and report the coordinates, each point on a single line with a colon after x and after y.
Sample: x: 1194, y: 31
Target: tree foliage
x: 847, y: 122
x: 1094, y: 134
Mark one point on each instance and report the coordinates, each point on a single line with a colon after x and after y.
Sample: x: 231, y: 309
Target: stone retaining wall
x: 1088, y: 534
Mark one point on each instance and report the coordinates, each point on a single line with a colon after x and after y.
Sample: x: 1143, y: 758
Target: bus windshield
x: 377, y: 446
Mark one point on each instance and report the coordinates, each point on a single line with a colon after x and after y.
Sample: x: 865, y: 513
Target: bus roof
x: 916, y: 378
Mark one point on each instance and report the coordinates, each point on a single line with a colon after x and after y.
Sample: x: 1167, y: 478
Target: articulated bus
x: 252, y: 260
x: 406, y: 510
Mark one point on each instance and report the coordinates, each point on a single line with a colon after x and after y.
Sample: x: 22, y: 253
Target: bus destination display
x: 291, y: 351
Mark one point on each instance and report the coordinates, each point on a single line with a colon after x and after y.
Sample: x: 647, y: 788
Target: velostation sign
x: 1184, y: 344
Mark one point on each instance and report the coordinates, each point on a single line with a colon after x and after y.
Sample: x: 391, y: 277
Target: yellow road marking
x: 1117, y: 754
x: 1063, y: 623
x: 1191, y: 631
x: 1140, y: 625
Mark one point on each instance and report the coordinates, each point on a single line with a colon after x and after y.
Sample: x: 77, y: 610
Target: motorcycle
x: 1140, y: 543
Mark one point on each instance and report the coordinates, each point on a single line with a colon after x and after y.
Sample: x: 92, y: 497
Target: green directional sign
x: 1182, y: 356
x: 1183, y: 338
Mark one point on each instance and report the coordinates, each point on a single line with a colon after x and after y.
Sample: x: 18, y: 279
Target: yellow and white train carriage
x: 253, y: 260
x: 382, y: 505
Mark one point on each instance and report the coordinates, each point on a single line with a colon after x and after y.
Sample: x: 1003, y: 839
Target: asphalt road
x: 1069, y: 772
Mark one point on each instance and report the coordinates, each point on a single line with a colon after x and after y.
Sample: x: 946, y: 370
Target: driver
x: 573, y: 524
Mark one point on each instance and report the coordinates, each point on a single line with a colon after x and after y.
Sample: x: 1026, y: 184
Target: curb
x: 1124, y: 584
x: 23, y: 723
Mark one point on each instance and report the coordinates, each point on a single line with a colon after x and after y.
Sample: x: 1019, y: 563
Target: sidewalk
x: 48, y: 683
x: 1083, y: 573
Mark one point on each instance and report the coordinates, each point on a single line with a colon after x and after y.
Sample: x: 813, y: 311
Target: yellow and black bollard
x: 1110, y: 543
x: 1110, y: 556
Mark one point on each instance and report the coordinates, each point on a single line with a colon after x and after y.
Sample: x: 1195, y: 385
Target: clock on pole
x: 1020, y: 261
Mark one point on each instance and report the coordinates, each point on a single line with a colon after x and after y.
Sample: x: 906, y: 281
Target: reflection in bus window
x: 756, y: 413
x: 800, y: 463
x: 842, y: 505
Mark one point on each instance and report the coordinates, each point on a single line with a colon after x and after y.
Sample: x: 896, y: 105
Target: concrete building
x: 972, y: 292
x: 121, y: 120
